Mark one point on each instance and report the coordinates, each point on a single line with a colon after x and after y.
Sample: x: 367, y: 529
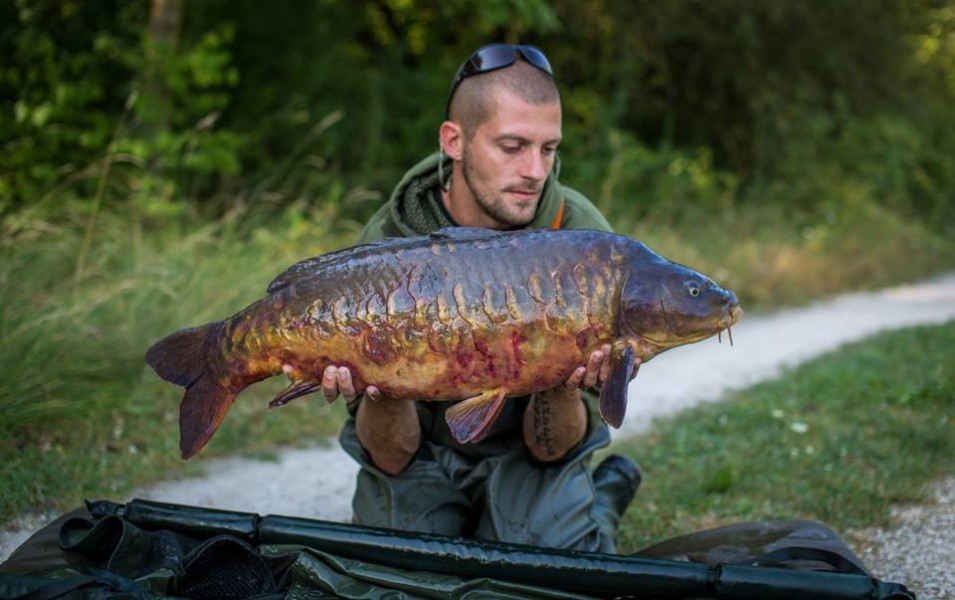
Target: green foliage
x: 668, y: 105
x: 88, y: 88
x: 786, y: 99
x: 54, y: 96
x: 384, y: 66
x: 729, y: 74
x: 673, y: 183
x: 840, y: 440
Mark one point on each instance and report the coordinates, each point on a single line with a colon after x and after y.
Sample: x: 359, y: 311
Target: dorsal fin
x: 462, y: 233
x: 303, y: 268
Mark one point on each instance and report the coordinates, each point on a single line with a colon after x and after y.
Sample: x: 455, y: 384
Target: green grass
x: 839, y: 439
x: 81, y: 415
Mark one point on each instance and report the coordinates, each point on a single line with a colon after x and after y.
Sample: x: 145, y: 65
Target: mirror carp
x: 462, y: 314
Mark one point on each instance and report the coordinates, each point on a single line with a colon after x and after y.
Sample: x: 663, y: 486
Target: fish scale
x: 463, y: 314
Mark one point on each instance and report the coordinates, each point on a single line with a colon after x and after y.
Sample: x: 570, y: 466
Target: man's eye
x: 512, y: 149
x: 549, y: 150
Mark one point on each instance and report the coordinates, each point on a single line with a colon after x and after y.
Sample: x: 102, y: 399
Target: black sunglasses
x: 497, y: 56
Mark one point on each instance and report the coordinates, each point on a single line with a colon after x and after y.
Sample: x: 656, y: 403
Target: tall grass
x: 79, y: 410
x: 81, y: 414
x: 774, y: 256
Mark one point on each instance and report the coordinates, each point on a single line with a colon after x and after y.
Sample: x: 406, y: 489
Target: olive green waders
x: 492, y: 490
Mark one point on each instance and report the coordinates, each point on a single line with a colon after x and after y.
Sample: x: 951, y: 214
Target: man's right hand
x: 338, y: 380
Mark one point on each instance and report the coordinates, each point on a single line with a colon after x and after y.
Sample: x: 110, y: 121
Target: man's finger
x: 606, y: 366
x: 592, y: 373
x: 605, y: 369
x: 573, y: 382
x: 330, y: 383
x: 345, y: 385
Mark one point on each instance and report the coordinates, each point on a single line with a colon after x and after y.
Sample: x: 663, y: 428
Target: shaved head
x: 473, y: 101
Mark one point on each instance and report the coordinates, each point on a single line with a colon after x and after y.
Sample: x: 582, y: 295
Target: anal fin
x: 470, y: 419
x: 293, y: 391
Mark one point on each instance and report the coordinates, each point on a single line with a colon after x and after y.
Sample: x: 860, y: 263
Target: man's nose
x: 535, y: 167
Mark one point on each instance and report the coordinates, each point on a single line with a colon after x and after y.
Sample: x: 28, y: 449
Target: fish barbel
x: 462, y: 314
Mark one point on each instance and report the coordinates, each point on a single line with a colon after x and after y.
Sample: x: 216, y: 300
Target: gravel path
x: 919, y: 553
x: 920, y: 550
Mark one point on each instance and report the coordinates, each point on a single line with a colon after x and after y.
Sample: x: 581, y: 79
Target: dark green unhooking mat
x: 145, y: 550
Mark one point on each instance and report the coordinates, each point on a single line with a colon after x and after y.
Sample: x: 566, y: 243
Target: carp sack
x: 462, y: 314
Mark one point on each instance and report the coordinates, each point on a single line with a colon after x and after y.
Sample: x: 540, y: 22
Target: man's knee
x: 411, y: 501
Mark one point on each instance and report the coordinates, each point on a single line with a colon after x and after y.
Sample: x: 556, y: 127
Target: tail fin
x: 200, y: 414
x: 183, y: 358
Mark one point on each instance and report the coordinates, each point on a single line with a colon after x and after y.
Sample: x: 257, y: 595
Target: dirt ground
x: 919, y: 552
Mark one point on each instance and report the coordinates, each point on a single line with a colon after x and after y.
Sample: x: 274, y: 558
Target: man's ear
x: 451, y: 137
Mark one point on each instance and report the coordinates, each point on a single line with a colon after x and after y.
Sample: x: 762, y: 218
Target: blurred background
x: 163, y: 160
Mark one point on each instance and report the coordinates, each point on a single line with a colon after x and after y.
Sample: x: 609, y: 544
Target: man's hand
x: 338, y: 380
x: 597, y: 370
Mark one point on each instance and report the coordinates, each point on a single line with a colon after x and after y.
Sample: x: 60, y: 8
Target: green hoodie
x: 413, y: 208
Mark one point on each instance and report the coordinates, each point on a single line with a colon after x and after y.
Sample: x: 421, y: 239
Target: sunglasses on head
x: 497, y: 56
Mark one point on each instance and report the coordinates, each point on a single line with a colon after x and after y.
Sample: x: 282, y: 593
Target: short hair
x: 473, y: 100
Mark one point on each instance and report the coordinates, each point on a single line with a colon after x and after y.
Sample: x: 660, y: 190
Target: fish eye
x: 693, y: 289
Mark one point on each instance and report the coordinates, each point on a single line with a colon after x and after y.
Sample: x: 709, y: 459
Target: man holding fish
x: 528, y: 479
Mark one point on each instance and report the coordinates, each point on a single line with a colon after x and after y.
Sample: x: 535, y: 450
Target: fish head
x: 664, y: 304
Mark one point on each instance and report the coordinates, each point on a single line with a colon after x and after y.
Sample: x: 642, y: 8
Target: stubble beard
x: 492, y: 203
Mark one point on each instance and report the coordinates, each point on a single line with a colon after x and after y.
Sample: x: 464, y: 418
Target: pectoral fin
x: 470, y: 419
x: 613, y: 393
x: 293, y: 391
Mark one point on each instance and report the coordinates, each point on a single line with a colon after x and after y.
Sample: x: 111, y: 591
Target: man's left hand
x: 596, y: 371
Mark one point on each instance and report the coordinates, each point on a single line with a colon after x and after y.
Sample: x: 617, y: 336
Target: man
x: 527, y: 480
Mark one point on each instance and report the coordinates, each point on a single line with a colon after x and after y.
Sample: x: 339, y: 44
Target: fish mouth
x: 730, y: 317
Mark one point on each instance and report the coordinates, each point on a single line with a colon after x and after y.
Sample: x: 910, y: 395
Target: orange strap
x: 559, y: 217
